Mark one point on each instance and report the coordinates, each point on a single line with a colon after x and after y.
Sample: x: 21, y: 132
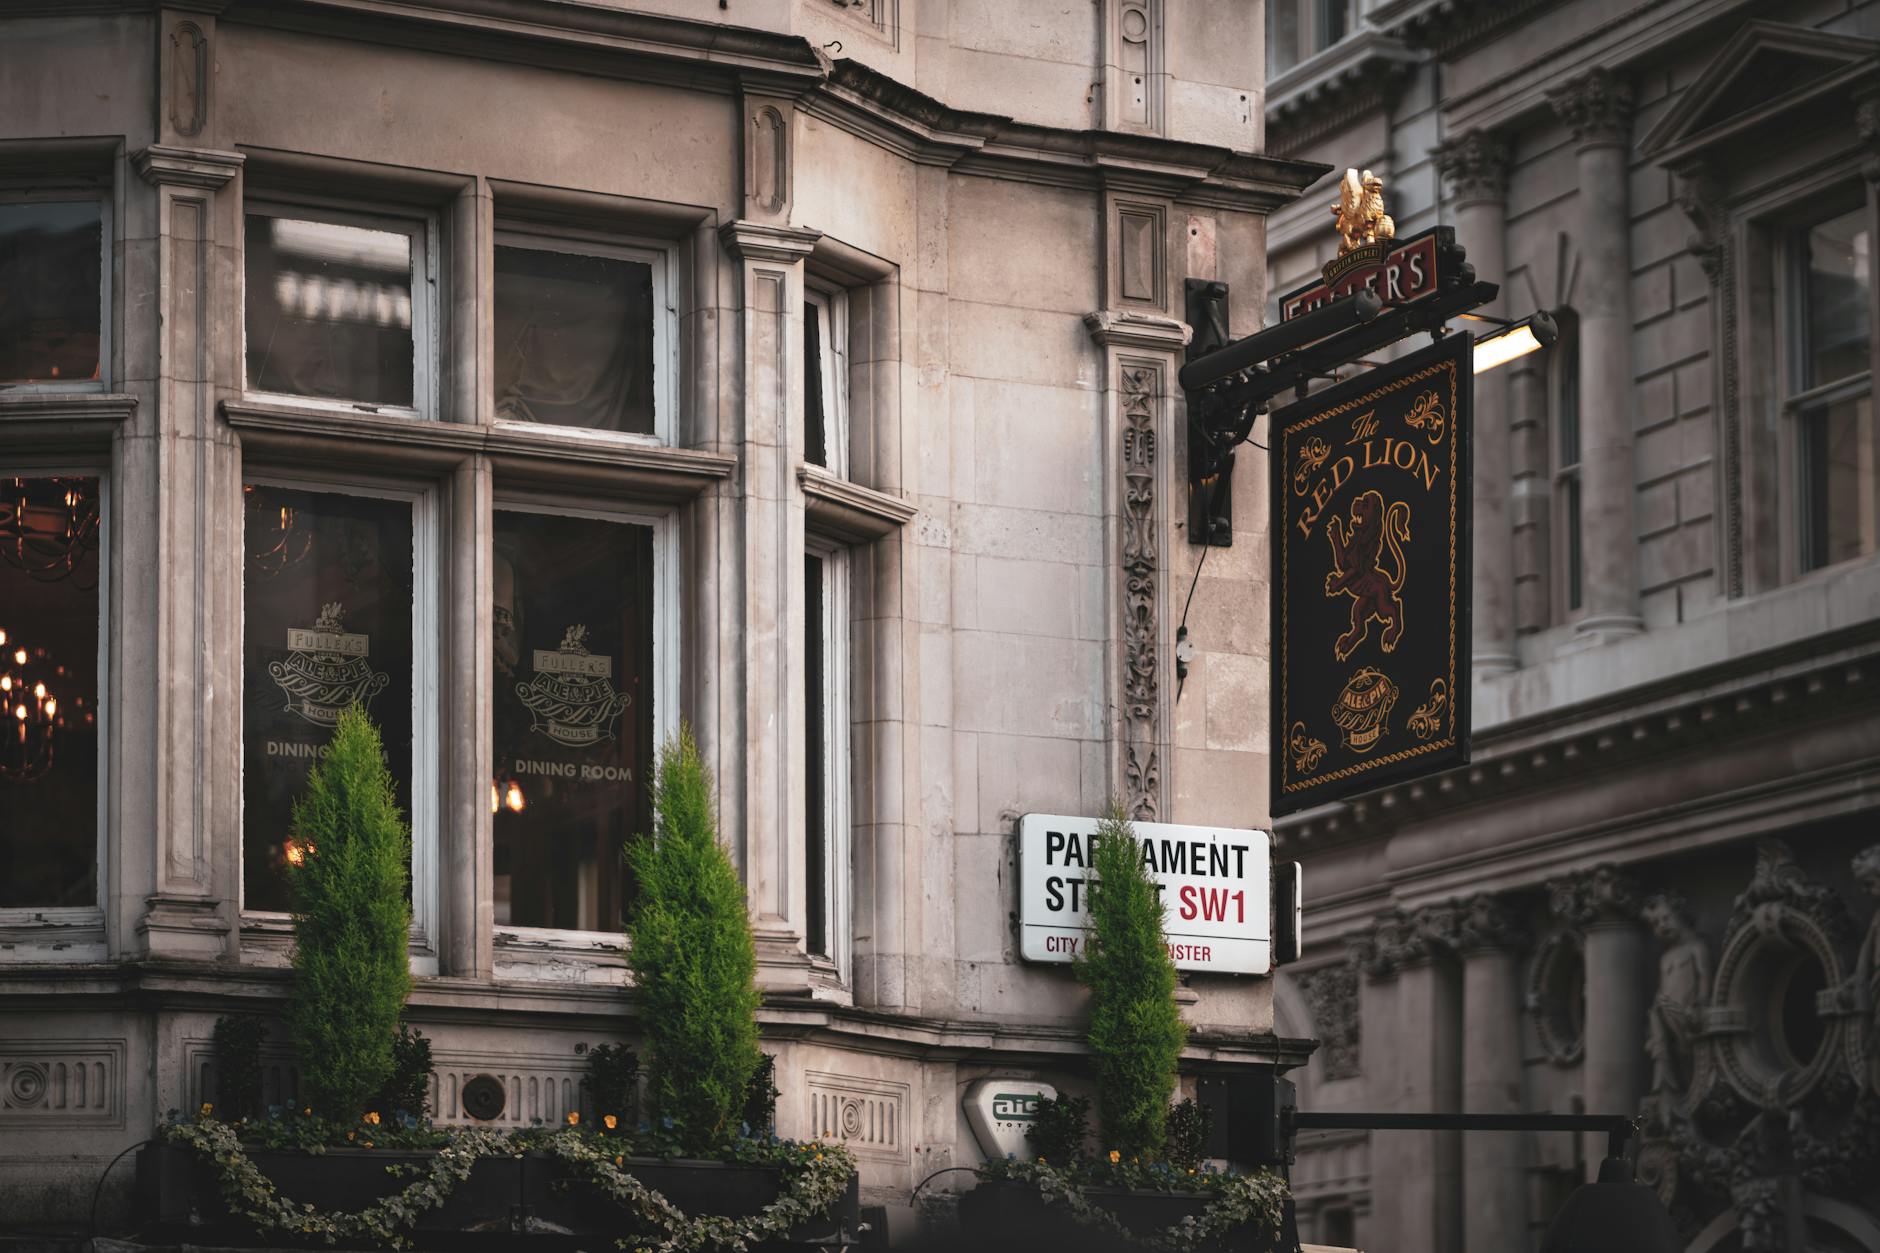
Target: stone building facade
x: 1648, y: 893
x: 551, y: 375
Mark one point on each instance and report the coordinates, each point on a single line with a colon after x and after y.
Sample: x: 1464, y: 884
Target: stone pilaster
x: 1604, y: 904
x: 1598, y: 110
x: 1494, y: 1174
x: 1429, y: 1026
x: 765, y: 805
x: 1476, y: 166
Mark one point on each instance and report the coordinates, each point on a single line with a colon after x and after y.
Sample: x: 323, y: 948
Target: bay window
x: 49, y: 671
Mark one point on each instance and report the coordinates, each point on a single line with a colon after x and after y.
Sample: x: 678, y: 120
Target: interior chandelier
x: 277, y: 538
x: 31, y: 714
x: 49, y: 527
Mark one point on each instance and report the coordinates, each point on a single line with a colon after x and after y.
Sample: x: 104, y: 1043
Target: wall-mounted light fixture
x: 1514, y: 339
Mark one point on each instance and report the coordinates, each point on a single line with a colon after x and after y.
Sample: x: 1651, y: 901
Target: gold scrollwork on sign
x: 1358, y: 571
x: 1306, y: 751
x: 1427, y: 415
x: 1312, y: 455
x: 1362, y: 714
x: 1426, y: 719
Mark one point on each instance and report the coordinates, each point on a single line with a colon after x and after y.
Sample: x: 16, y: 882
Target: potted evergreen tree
x: 1149, y: 1185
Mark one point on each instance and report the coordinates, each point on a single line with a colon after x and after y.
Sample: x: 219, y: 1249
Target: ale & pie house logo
x: 572, y: 697
x: 327, y: 668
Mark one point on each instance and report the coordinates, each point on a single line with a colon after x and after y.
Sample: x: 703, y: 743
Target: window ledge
x: 61, y: 934
x: 848, y: 511
x: 551, y: 457
x: 62, y: 418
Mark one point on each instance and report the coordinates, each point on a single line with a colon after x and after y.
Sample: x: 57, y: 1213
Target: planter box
x: 532, y: 1202
x: 1000, y: 1215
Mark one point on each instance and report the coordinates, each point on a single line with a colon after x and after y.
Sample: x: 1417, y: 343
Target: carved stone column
x: 1376, y: 953
x: 766, y: 804
x: 1429, y: 1039
x: 1598, y: 109
x: 1494, y: 1175
x: 1476, y: 165
x: 1604, y: 903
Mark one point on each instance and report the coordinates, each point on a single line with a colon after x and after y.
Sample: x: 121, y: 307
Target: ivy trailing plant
x: 1236, y: 1200
x: 349, y: 870
x: 693, y: 958
x: 813, y: 1175
x: 238, y: 1064
x: 1136, y: 1030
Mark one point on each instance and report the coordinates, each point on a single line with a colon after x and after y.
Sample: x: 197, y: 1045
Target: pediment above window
x: 1769, y: 76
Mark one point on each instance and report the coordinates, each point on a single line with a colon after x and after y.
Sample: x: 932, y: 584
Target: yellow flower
x: 1115, y: 1157
x: 308, y: 1110
x: 609, y: 1121
x: 1191, y: 1170
x: 207, y: 1109
x: 367, y: 1143
x: 620, y: 1161
x: 373, y: 1118
x: 349, y: 1135
x: 819, y: 1157
x: 574, y: 1117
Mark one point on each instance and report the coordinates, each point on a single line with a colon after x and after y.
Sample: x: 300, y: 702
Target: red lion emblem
x: 1358, y: 571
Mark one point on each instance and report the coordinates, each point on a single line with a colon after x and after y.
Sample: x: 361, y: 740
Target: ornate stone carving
x: 1142, y: 654
x: 1476, y: 165
x: 1390, y: 943
x: 1332, y: 992
x: 1677, y: 1010
x: 867, y: 1115
x: 61, y: 1083
x: 1700, y: 197
x: 1486, y: 922
x: 1862, y: 990
x: 1596, y: 107
x: 189, y: 79
x: 1556, y: 996
x: 1604, y: 894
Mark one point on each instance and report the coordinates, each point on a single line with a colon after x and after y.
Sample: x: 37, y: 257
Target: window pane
x: 573, y: 675
x: 329, y: 311
x: 816, y: 763
x: 1576, y: 559
x: 1567, y: 395
x: 815, y: 421
x: 1839, y: 482
x: 1838, y: 259
x: 50, y: 293
x: 574, y: 340
x: 48, y: 691
x: 327, y: 585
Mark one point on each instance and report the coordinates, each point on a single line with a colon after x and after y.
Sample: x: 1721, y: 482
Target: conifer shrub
x: 1190, y: 1124
x: 238, y: 1066
x: 1058, y: 1132
x: 613, y: 1082
x: 693, y: 958
x: 408, y: 1091
x: 760, y: 1096
x: 351, y: 919
x: 1136, y: 1030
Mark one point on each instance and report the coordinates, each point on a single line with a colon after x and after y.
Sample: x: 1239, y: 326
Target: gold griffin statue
x: 1360, y: 212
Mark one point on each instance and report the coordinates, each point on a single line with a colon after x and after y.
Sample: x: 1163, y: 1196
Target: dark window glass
x: 50, y: 293
x: 329, y: 311
x: 327, y: 586
x: 574, y: 340
x: 815, y: 754
x: 1837, y: 280
x: 573, y: 644
x: 1567, y: 394
x: 1576, y: 557
x: 48, y: 691
x: 1839, y: 513
x: 815, y: 419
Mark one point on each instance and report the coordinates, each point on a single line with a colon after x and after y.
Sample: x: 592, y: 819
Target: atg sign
x: 1216, y: 885
x: 1371, y: 582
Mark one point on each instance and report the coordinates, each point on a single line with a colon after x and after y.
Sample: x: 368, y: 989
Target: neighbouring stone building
x: 550, y: 374
x: 1649, y: 892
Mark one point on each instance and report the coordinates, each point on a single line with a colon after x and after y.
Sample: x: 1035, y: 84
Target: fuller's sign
x: 1215, y: 882
x: 1371, y: 582
x: 1399, y: 271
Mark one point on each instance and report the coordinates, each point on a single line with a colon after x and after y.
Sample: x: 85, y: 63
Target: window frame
x: 83, y: 925
x: 56, y: 191
x: 837, y: 770
x: 667, y: 654
x: 1566, y: 520
x: 663, y: 257
x: 831, y: 304
x: 1797, y: 398
x: 422, y: 228
x: 426, y: 801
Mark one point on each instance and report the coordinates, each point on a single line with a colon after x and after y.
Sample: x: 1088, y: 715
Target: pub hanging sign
x: 1370, y: 595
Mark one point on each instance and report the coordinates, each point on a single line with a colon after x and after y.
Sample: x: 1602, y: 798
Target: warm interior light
x: 3, y: 637
x: 513, y: 798
x: 297, y: 853
x: 1528, y: 335
x: 20, y: 657
x: 496, y: 802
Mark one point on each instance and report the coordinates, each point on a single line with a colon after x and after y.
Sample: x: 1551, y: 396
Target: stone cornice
x: 1129, y: 329
x: 187, y: 167
x: 848, y: 511
x: 1330, y: 91
x: 1450, y: 27
x: 757, y: 241
x: 1815, y: 679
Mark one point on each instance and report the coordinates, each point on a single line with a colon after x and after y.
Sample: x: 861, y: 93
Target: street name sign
x: 1370, y: 596
x: 1216, y: 885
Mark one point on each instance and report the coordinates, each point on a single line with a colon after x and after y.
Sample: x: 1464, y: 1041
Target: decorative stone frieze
x: 1332, y: 992
x: 1476, y: 165
x: 1596, y: 107
x: 1142, y: 654
x: 61, y: 1083
x: 869, y: 1116
x: 1603, y: 895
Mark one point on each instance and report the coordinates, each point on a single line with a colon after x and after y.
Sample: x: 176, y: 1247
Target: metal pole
x: 1618, y: 1127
